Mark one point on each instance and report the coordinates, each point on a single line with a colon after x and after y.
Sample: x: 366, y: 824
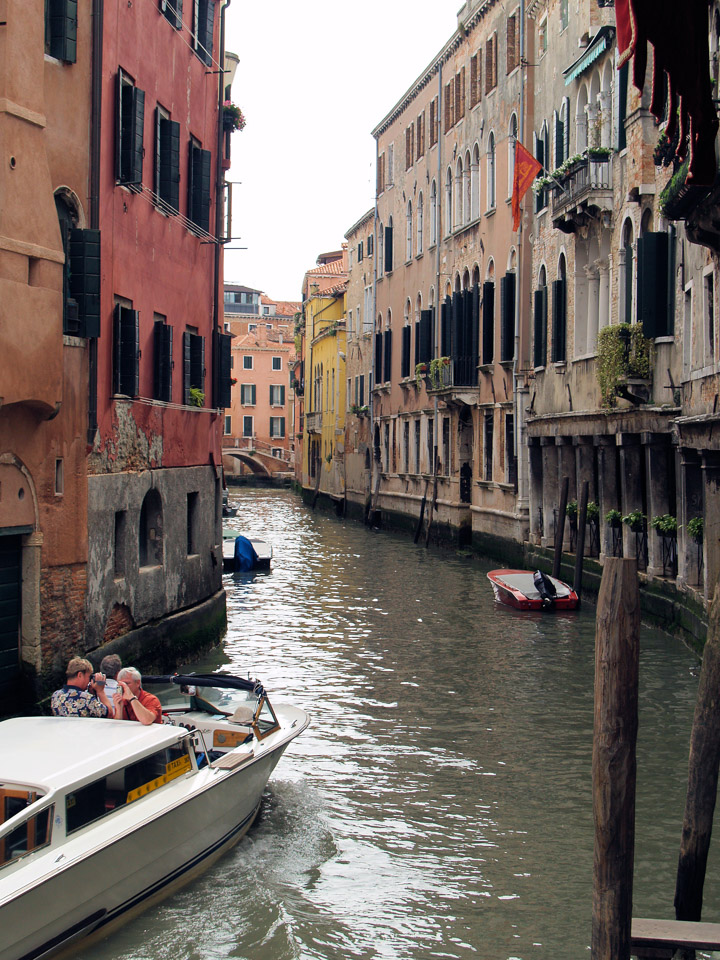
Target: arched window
x: 475, y: 183
x: 150, y: 531
x: 512, y: 138
x: 491, y: 172
x: 540, y: 321
x: 433, y: 214
x: 458, y: 199
x: 581, y: 121
x: 409, y: 231
x: 420, y: 224
x: 381, y: 250
x: 562, y: 134
x: 467, y: 188
x: 448, y: 201
x: 625, y: 273
x: 559, y: 313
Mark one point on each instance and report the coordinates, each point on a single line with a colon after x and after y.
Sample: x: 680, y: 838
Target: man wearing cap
x: 83, y: 694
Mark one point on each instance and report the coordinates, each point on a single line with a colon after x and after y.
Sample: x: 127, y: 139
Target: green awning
x: 599, y: 44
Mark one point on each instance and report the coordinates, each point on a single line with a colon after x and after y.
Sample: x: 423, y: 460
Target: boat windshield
x: 226, y: 702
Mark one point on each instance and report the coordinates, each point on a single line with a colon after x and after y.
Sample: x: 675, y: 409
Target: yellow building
x: 325, y: 344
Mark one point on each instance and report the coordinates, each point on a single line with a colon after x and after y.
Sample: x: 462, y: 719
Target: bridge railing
x: 253, y: 445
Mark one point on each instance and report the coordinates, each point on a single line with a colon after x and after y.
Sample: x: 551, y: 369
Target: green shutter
x: 426, y: 344
x: 507, y: 313
x: 62, y: 29
x: 653, y: 257
x: 126, y: 367
x: 223, y: 370
x: 445, y: 328
x: 387, y: 356
x: 388, y: 249
x: 84, y: 279
x: 169, y: 162
x: 405, y: 354
x: 488, y: 311
x: 540, y: 328
x: 131, y: 102
x: 558, y: 325
x: 186, y: 367
x: 162, y: 365
x: 199, y: 187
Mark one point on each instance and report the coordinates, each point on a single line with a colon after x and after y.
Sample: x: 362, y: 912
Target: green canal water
x: 439, y: 806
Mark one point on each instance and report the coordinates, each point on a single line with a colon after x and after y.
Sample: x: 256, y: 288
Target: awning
x: 599, y: 44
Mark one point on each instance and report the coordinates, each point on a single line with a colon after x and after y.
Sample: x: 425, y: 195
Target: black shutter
x: 475, y: 330
x: 558, y: 324
x: 388, y: 249
x: 653, y: 251
x: 622, y: 105
x: 162, y: 361
x: 197, y: 361
x: 126, y: 372
x: 169, y: 162
x: 172, y: 11
x: 378, y: 357
x: 136, y: 143
x: 559, y: 140
x: 62, y: 29
x: 417, y: 342
x: 186, y: 367
x: 223, y: 370
x: 199, y: 187
x: 405, y: 357
x: 209, y: 27
x: 456, y: 332
x: 540, y: 202
x: 540, y: 331
x: 488, y: 312
x: 84, y: 279
x: 445, y: 329
x: 131, y: 102
x: 507, y: 312
x: 387, y: 356
x: 426, y: 344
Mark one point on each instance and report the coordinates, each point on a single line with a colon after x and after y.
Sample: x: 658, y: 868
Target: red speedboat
x: 532, y: 590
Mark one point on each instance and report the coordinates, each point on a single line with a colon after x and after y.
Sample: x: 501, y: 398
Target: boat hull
x: 515, y: 588
x: 105, y: 874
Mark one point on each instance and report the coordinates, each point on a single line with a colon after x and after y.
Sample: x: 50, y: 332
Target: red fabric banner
x: 526, y: 169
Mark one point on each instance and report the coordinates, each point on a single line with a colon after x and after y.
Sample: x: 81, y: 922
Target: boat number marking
x: 174, y: 769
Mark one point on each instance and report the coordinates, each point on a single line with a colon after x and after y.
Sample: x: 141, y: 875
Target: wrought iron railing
x: 585, y: 177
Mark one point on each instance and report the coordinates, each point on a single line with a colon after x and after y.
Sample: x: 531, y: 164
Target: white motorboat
x: 244, y: 553
x: 100, y: 818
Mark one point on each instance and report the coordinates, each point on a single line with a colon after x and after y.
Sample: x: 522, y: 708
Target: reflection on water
x: 440, y: 803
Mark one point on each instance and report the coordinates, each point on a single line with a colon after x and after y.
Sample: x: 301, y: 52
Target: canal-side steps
x: 659, y: 939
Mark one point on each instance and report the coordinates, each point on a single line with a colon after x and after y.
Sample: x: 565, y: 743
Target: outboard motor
x: 546, y: 588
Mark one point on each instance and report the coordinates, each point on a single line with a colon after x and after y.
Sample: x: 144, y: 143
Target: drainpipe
x: 438, y: 210
x: 518, y: 405
x: 219, y: 206
x: 94, y: 198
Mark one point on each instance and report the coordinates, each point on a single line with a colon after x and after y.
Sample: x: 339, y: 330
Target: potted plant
x: 613, y: 518
x: 571, y: 510
x: 635, y: 520
x: 624, y: 354
x: 420, y: 370
x: 592, y: 512
x: 598, y: 154
x: 232, y: 117
x: 666, y: 525
x: 197, y: 397
x: 695, y: 529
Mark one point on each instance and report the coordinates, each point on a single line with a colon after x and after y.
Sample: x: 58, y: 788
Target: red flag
x: 526, y: 169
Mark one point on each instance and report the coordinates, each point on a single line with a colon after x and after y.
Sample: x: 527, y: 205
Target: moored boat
x: 99, y: 818
x: 532, y: 590
x: 241, y: 553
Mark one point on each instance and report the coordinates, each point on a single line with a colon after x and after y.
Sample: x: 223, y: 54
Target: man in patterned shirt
x: 83, y: 694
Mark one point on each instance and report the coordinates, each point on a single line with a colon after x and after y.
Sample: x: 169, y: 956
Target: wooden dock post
x: 560, y: 528
x: 702, y: 777
x: 613, y: 763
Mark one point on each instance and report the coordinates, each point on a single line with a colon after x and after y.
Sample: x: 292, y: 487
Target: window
x: 369, y: 246
x: 448, y: 201
x: 81, y: 277
x: 390, y: 164
x: 119, y: 543
x: 126, y: 354
x: 277, y: 363
x: 199, y: 186
x: 277, y: 427
x: 59, y: 477
x: 380, y: 174
x: 542, y: 35
x: 559, y: 314
x: 430, y: 445
x: 710, y: 324
x: 446, y: 462
x: 247, y: 363
x: 459, y: 94
x: 203, y: 24
x: 381, y: 253
x: 247, y: 394
x: 172, y: 11
x: 405, y: 346
x: 540, y: 323
x: 409, y: 145
x: 150, y: 530
x: 433, y: 214
x: 277, y: 452
x: 167, y: 160
x: 228, y: 425
x: 192, y: 522
x: 475, y: 79
x: 31, y: 833
x: 449, y: 105
x: 277, y: 395
x: 420, y: 223
x: 513, y: 42
x: 562, y: 133
x: 420, y: 136
x: 491, y: 63
x: 564, y: 14
x: 389, y: 247
x: 162, y: 359
x: 491, y: 172
x: 488, y: 440
x: 512, y: 140
x: 61, y: 29
x: 129, y: 131
x: 507, y: 317
x: 406, y: 447
x: 488, y: 322
x: 409, y: 231
x: 434, y: 121
x: 417, y: 446
x: 247, y: 426
x: 193, y: 368
x: 510, y: 458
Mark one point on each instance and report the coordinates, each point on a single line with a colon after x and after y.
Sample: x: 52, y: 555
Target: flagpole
x: 518, y: 419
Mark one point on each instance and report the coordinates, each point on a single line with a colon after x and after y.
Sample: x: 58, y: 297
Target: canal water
x: 439, y: 806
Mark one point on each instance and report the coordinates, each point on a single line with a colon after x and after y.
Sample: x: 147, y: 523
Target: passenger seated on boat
x: 134, y: 703
x: 83, y: 694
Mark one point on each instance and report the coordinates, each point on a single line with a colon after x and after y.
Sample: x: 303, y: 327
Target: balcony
x: 583, y: 190
x: 313, y: 422
x: 451, y: 374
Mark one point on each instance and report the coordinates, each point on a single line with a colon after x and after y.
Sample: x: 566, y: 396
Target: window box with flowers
x: 232, y: 117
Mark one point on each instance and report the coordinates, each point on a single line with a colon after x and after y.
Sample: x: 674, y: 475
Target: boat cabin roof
x: 56, y: 752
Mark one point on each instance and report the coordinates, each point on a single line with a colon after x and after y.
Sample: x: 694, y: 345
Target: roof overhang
x: 597, y: 46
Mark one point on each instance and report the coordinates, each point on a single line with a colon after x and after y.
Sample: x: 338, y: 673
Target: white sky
x: 314, y: 79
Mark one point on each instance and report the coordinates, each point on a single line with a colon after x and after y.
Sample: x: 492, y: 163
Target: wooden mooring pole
x: 560, y: 527
x: 613, y: 763
x: 702, y: 777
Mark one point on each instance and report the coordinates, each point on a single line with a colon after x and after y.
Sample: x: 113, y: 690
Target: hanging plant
x: 420, y: 370
x: 592, y: 511
x: 623, y: 352
x: 613, y: 517
x: 233, y: 117
x: 635, y: 520
x: 436, y: 366
x: 571, y: 510
x: 666, y: 525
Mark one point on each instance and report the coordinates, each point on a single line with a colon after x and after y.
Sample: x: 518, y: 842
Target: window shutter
x: 136, y: 136
x: 511, y: 64
x: 197, y: 361
x: 84, y: 285
x: 199, y: 187
x: 127, y: 351
x: 169, y: 162
x: 388, y: 249
x: 223, y: 387
x: 360, y: 252
x: 405, y: 356
x: 172, y: 11
x: 370, y: 245
x: 417, y: 342
x: 387, y: 356
x: 445, y: 328
x: 162, y: 361
x: 507, y: 312
x: 426, y: 339
x: 558, y: 325
x: 456, y: 323
x: 62, y: 24
x: 474, y: 327
x: 186, y: 367
x: 253, y: 394
x: 488, y: 311
x: 559, y: 139
x: 540, y: 331
x: 379, y: 357
x: 652, y: 284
